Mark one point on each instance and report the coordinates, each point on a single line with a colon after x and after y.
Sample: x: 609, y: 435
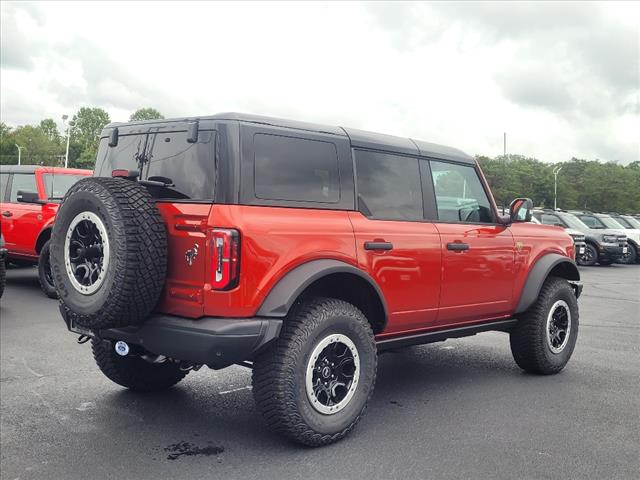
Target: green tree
x: 145, y: 114
x: 50, y: 129
x: 86, y: 126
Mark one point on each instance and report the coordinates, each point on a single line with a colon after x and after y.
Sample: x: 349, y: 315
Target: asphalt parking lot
x: 456, y: 409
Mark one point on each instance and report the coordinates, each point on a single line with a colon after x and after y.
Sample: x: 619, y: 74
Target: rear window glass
x: 295, y: 169
x: 190, y: 166
x: 56, y: 186
x: 389, y: 186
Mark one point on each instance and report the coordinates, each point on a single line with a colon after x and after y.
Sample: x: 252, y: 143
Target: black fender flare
x: 539, y: 273
x: 293, y: 283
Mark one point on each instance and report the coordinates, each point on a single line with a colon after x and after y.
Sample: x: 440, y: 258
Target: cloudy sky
x: 562, y: 79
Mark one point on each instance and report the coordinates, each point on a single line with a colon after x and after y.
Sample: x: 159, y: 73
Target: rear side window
x: 24, y: 182
x: 389, y: 186
x: 459, y: 194
x: 189, y: 166
x: 295, y: 169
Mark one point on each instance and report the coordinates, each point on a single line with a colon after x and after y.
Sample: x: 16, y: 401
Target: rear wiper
x: 157, y: 181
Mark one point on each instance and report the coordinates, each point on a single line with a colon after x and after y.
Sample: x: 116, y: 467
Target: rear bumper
x: 216, y: 342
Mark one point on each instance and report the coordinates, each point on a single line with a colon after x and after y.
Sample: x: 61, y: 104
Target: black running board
x: 440, y: 335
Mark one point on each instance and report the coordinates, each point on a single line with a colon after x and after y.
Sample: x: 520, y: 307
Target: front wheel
x: 631, y: 256
x: 314, y: 382
x: 544, y: 337
x: 44, y: 272
x: 590, y: 256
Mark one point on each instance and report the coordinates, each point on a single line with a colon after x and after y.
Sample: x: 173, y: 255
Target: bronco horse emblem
x: 191, y: 254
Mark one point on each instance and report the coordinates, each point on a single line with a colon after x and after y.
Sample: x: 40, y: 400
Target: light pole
x: 66, y: 155
x: 19, y: 153
x: 556, y: 171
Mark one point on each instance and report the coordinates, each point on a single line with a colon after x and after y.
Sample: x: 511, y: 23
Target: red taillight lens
x: 226, y: 258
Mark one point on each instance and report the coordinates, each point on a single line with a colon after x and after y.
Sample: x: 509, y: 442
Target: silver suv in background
x: 602, y: 221
x: 603, y: 246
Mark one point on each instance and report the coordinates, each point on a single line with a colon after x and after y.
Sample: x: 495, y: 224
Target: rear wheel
x: 544, y: 337
x: 133, y: 372
x: 314, y: 382
x: 590, y: 256
x: 44, y: 272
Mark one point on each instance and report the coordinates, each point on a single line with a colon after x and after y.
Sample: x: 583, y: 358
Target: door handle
x: 7, y: 213
x: 457, y: 246
x: 378, y: 246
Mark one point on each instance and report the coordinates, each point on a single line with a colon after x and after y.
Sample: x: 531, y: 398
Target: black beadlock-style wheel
x: 108, y: 253
x: 44, y: 272
x: 134, y: 372
x: 590, y: 256
x: 544, y: 337
x: 315, y: 380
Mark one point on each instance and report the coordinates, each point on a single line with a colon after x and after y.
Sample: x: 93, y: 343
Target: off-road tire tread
x: 48, y: 289
x: 527, y: 346
x: 3, y: 275
x: 134, y: 373
x: 273, y: 372
x: 140, y: 242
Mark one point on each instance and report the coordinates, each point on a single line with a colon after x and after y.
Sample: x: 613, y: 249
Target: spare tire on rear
x: 108, y: 253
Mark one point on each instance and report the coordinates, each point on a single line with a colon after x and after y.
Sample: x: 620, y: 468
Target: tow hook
x: 83, y: 339
x: 122, y: 348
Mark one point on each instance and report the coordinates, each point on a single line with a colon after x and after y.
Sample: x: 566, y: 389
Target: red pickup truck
x: 29, y: 199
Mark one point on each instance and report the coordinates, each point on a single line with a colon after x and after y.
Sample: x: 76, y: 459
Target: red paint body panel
x: 408, y: 275
x: 28, y: 220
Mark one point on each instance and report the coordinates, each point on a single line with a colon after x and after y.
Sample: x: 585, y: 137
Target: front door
x: 394, y: 243
x: 477, y: 253
x: 21, y: 221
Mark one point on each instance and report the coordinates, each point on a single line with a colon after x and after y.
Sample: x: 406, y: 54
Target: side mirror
x: 520, y: 210
x: 27, y: 197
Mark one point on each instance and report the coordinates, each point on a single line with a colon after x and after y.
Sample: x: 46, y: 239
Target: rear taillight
x: 226, y: 258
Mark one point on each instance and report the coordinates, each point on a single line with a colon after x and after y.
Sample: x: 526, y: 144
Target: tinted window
x: 591, y: 222
x: 56, y: 186
x: 190, y: 166
x: 550, y: 219
x: 459, y: 194
x: 24, y: 182
x: 388, y: 186
x: 4, y: 178
x: 296, y: 169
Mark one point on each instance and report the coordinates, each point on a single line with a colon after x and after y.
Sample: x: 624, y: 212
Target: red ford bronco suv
x: 29, y: 199
x: 300, y: 251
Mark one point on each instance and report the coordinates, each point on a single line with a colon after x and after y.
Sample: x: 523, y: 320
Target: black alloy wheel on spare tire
x: 108, y: 253
x: 44, y: 272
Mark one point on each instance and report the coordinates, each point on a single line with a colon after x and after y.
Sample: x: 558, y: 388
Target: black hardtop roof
x: 358, y: 138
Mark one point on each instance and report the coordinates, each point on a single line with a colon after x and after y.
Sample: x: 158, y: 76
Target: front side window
x: 4, y: 180
x: 22, y: 181
x: 459, y: 194
x: 389, y: 186
x: 56, y: 185
x: 295, y: 169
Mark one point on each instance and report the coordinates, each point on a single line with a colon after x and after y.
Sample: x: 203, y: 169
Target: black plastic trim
x: 440, y: 335
x: 538, y: 274
x: 288, y: 289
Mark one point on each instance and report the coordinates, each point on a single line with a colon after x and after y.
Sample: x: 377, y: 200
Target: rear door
x: 478, y: 253
x: 394, y: 242
x: 165, y: 154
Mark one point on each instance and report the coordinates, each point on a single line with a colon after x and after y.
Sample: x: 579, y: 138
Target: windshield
x: 164, y: 156
x: 56, y: 185
x: 611, y: 222
x: 633, y: 223
x: 574, y: 222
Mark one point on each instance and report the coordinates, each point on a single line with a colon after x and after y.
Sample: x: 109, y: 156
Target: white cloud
x: 561, y: 79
